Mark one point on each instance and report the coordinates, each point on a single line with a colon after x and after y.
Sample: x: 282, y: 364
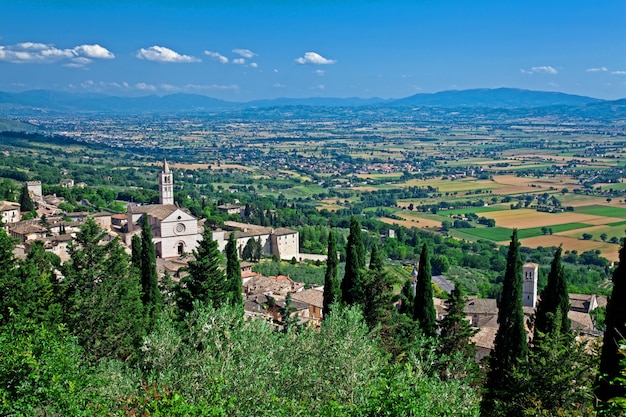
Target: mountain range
x: 47, y: 101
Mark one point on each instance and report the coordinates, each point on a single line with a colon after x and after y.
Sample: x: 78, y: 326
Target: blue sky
x: 243, y: 50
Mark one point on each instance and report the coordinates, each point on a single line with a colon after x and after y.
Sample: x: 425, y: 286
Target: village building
x: 9, y: 213
x: 282, y: 242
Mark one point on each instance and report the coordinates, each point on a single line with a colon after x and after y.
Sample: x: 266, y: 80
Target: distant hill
x: 496, y: 98
x: 51, y: 102
x: 8, y: 125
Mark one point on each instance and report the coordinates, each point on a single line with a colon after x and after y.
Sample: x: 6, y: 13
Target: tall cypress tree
x: 151, y: 296
x: 554, y: 302
x: 614, y: 335
x: 205, y: 281
x: 510, y: 345
x: 26, y: 203
x: 352, y: 284
x: 424, y: 307
x: 332, y: 290
x: 135, y: 246
x: 233, y: 272
x: 378, y: 292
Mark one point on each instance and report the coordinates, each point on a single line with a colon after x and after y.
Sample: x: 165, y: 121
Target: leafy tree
x: 205, y: 281
x: 455, y: 337
x: 510, y: 345
x: 257, y: 253
x: 151, y: 296
x: 248, y: 249
x: 424, y: 307
x: 352, y: 284
x: 440, y: 264
x: 26, y: 203
x: 615, y: 322
x: 233, y: 272
x: 332, y: 289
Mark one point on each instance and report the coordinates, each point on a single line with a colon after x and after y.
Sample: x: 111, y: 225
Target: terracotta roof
x: 158, y: 211
x: 580, y: 321
x: 531, y: 264
x: 486, y: 335
x: 283, y: 231
x: 481, y: 306
x: 278, y: 285
x: 26, y: 228
x: 310, y: 296
x: 8, y: 205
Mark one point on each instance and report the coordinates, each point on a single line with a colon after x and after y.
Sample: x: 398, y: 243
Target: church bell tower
x: 166, y: 185
x: 529, y: 292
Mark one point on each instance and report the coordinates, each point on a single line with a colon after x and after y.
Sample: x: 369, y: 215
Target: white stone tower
x: 531, y: 276
x: 166, y: 185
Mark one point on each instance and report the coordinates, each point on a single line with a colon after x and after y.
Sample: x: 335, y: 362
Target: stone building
x: 174, y: 230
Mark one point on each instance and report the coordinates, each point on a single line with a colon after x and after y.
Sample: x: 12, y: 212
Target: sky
x: 240, y: 50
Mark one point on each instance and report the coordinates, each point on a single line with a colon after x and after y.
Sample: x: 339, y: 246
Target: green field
x: 499, y: 234
x: 605, y: 211
x: 475, y: 210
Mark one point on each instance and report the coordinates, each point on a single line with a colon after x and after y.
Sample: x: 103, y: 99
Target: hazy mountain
x: 7, y: 125
x: 495, y: 98
x: 501, y: 98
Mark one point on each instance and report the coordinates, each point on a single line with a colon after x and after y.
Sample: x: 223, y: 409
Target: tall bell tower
x: 166, y: 185
x: 529, y: 292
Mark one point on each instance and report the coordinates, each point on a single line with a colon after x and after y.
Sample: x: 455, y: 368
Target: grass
x: 605, y: 211
x: 500, y: 234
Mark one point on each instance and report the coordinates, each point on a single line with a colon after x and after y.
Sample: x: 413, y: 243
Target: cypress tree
x: 378, y: 292
x: 352, y: 284
x: 26, y: 203
x: 233, y: 272
x: 151, y: 296
x: 424, y: 307
x: 376, y: 260
x: 510, y: 345
x: 554, y: 301
x: 408, y: 298
x: 205, y: 281
x: 614, y: 335
x: 332, y: 290
x: 136, y: 251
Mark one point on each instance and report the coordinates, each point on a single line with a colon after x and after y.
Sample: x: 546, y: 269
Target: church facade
x: 174, y: 230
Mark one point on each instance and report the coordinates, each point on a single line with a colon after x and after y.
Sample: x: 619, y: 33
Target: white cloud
x: 246, y: 53
x: 599, y: 69
x: 540, y: 70
x: 254, y: 64
x: 321, y: 87
x: 163, y: 54
x: 278, y: 85
x: 618, y: 72
x: 275, y: 70
x: 145, y: 87
x: 204, y: 87
x: 41, y: 53
x: 217, y: 56
x: 319, y: 72
x: 314, y: 58
x: 239, y: 61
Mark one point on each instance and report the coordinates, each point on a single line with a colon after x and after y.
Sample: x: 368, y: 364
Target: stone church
x: 174, y: 230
